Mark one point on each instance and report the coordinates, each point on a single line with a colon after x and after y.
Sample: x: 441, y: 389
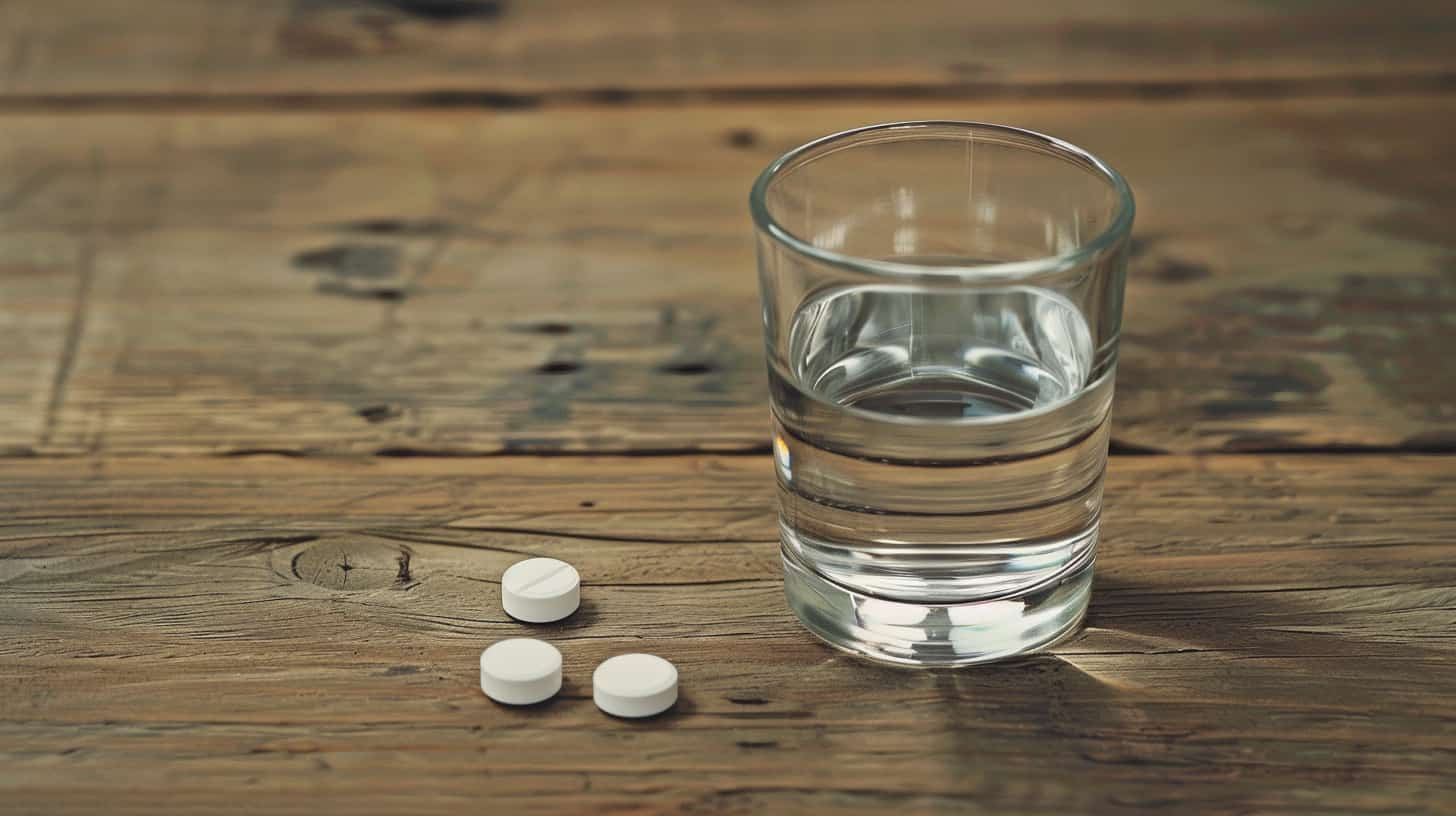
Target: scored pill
x: 634, y: 685
x: 520, y: 671
x: 540, y: 590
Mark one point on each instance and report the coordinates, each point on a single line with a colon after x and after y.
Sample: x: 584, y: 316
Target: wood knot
x: 350, y: 564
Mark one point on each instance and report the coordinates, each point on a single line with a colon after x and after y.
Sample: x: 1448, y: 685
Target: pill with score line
x: 540, y: 590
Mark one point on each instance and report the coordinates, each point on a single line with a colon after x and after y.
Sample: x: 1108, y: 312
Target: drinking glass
x: 941, y: 305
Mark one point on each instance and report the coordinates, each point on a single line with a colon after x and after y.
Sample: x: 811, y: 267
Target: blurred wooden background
x: 315, y: 314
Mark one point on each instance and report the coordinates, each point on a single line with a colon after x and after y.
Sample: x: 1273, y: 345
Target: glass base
x: 936, y: 634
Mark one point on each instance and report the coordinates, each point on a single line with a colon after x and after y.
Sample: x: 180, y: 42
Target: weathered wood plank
x: 84, y: 48
x: 1267, y: 634
x: 582, y: 279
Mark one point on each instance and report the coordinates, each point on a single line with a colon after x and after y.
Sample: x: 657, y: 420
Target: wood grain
x: 41, y: 288
x: 1269, y: 635
x: 576, y: 280
x: 505, y: 52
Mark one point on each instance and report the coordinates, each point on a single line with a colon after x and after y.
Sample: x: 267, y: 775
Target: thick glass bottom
x: 940, y: 634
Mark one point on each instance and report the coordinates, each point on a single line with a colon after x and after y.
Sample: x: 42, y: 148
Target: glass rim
x: 1119, y: 226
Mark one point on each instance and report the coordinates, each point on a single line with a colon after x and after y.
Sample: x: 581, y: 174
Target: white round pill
x: 540, y: 590
x: 634, y: 685
x: 520, y: 671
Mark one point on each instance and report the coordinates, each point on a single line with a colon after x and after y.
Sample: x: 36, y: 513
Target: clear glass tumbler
x: 941, y: 304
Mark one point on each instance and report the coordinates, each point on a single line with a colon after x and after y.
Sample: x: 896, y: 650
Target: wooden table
x: 316, y: 314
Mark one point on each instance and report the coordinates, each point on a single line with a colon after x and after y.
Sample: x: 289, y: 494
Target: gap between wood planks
x: 486, y: 99
x: 1116, y: 449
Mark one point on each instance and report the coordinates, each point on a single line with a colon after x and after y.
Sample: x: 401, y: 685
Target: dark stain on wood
x: 399, y: 227
x: 1121, y: 447
x: 742, y: 138
x: 1431, y: 442
x: 1172, y: 270
x: 752, y: 744
x: 558, y: 367
x: 381, y: 412
x: 392, y: 294
x: 679, y: 354
x: 354, y: 261
x: 587, y: 504
x: 447, y: 11
x: 687, y: 367
x: 768, y: 714
x: 400, y: 671
x: 551, y: 327
x: 270, y: 541
x: 408, y: 452
x: 363, y: 271
x: 608, y: 95
x: 498, y: 100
